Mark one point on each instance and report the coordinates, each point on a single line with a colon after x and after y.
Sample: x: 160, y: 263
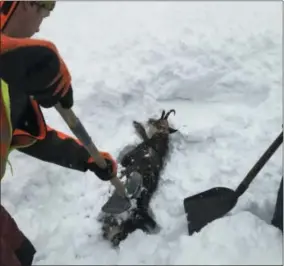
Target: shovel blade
x: 117, y: 204
x: 207, y: 206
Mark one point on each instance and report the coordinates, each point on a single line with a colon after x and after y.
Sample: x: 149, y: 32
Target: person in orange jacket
x: 33, y: 75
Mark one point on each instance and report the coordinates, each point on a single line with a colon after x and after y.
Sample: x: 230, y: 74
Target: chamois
x: 146, y: 161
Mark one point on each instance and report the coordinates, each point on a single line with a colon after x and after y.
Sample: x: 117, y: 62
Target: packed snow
x: 219, y: 65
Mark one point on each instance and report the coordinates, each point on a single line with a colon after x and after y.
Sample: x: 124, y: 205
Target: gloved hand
x: 107, y: 173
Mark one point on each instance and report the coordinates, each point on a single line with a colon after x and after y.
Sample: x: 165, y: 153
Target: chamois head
x: 161, y: 125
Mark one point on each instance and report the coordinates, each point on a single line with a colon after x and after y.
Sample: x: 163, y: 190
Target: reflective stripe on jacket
x: 14, y: 139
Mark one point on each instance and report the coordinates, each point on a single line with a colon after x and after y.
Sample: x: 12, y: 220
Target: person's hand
x: 107, y: 173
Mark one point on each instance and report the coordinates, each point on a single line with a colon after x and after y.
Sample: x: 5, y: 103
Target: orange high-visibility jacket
x: 22, y: 124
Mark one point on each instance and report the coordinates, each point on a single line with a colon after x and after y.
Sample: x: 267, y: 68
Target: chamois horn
x: 169, y: 112
x: 163, y: 114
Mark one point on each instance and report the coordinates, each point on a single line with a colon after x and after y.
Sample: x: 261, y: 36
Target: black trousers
x: 15, y: 247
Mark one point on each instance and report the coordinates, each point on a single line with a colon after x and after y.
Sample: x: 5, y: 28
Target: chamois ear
x: 172, y: 130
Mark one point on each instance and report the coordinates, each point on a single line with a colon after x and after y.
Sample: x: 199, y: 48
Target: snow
x: 219, y: 65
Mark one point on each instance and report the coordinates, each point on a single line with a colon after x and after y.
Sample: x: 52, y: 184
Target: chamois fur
x: 147, y: 159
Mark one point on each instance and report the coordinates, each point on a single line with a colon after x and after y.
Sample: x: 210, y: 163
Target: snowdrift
x: 219, y: 66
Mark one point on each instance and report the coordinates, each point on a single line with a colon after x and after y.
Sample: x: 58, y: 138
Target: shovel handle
x: 80, y: 132
x: 259, y: 165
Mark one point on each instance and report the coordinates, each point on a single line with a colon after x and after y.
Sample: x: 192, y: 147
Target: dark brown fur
x: 148, y: 159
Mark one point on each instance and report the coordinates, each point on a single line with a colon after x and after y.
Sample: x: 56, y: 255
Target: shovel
x: 214, y: 203
x: 80, y: 132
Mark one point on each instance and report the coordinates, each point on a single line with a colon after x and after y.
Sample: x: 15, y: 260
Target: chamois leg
x: 140, y: 130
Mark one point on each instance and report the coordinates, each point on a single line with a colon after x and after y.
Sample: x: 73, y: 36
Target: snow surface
x: 219, y: 65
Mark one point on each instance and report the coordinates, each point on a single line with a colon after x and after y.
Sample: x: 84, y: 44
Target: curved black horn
x: 169, y: 112
x: 163, y: 114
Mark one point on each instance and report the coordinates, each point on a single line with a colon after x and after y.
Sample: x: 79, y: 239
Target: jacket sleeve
x: 60, y: 149
x: 37, y: 68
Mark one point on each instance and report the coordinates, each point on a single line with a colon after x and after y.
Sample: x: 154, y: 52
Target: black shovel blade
x: 117, y: 204
x: 207, y: 206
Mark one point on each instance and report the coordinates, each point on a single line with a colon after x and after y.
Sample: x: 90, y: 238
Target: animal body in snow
x: 143, y: 165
